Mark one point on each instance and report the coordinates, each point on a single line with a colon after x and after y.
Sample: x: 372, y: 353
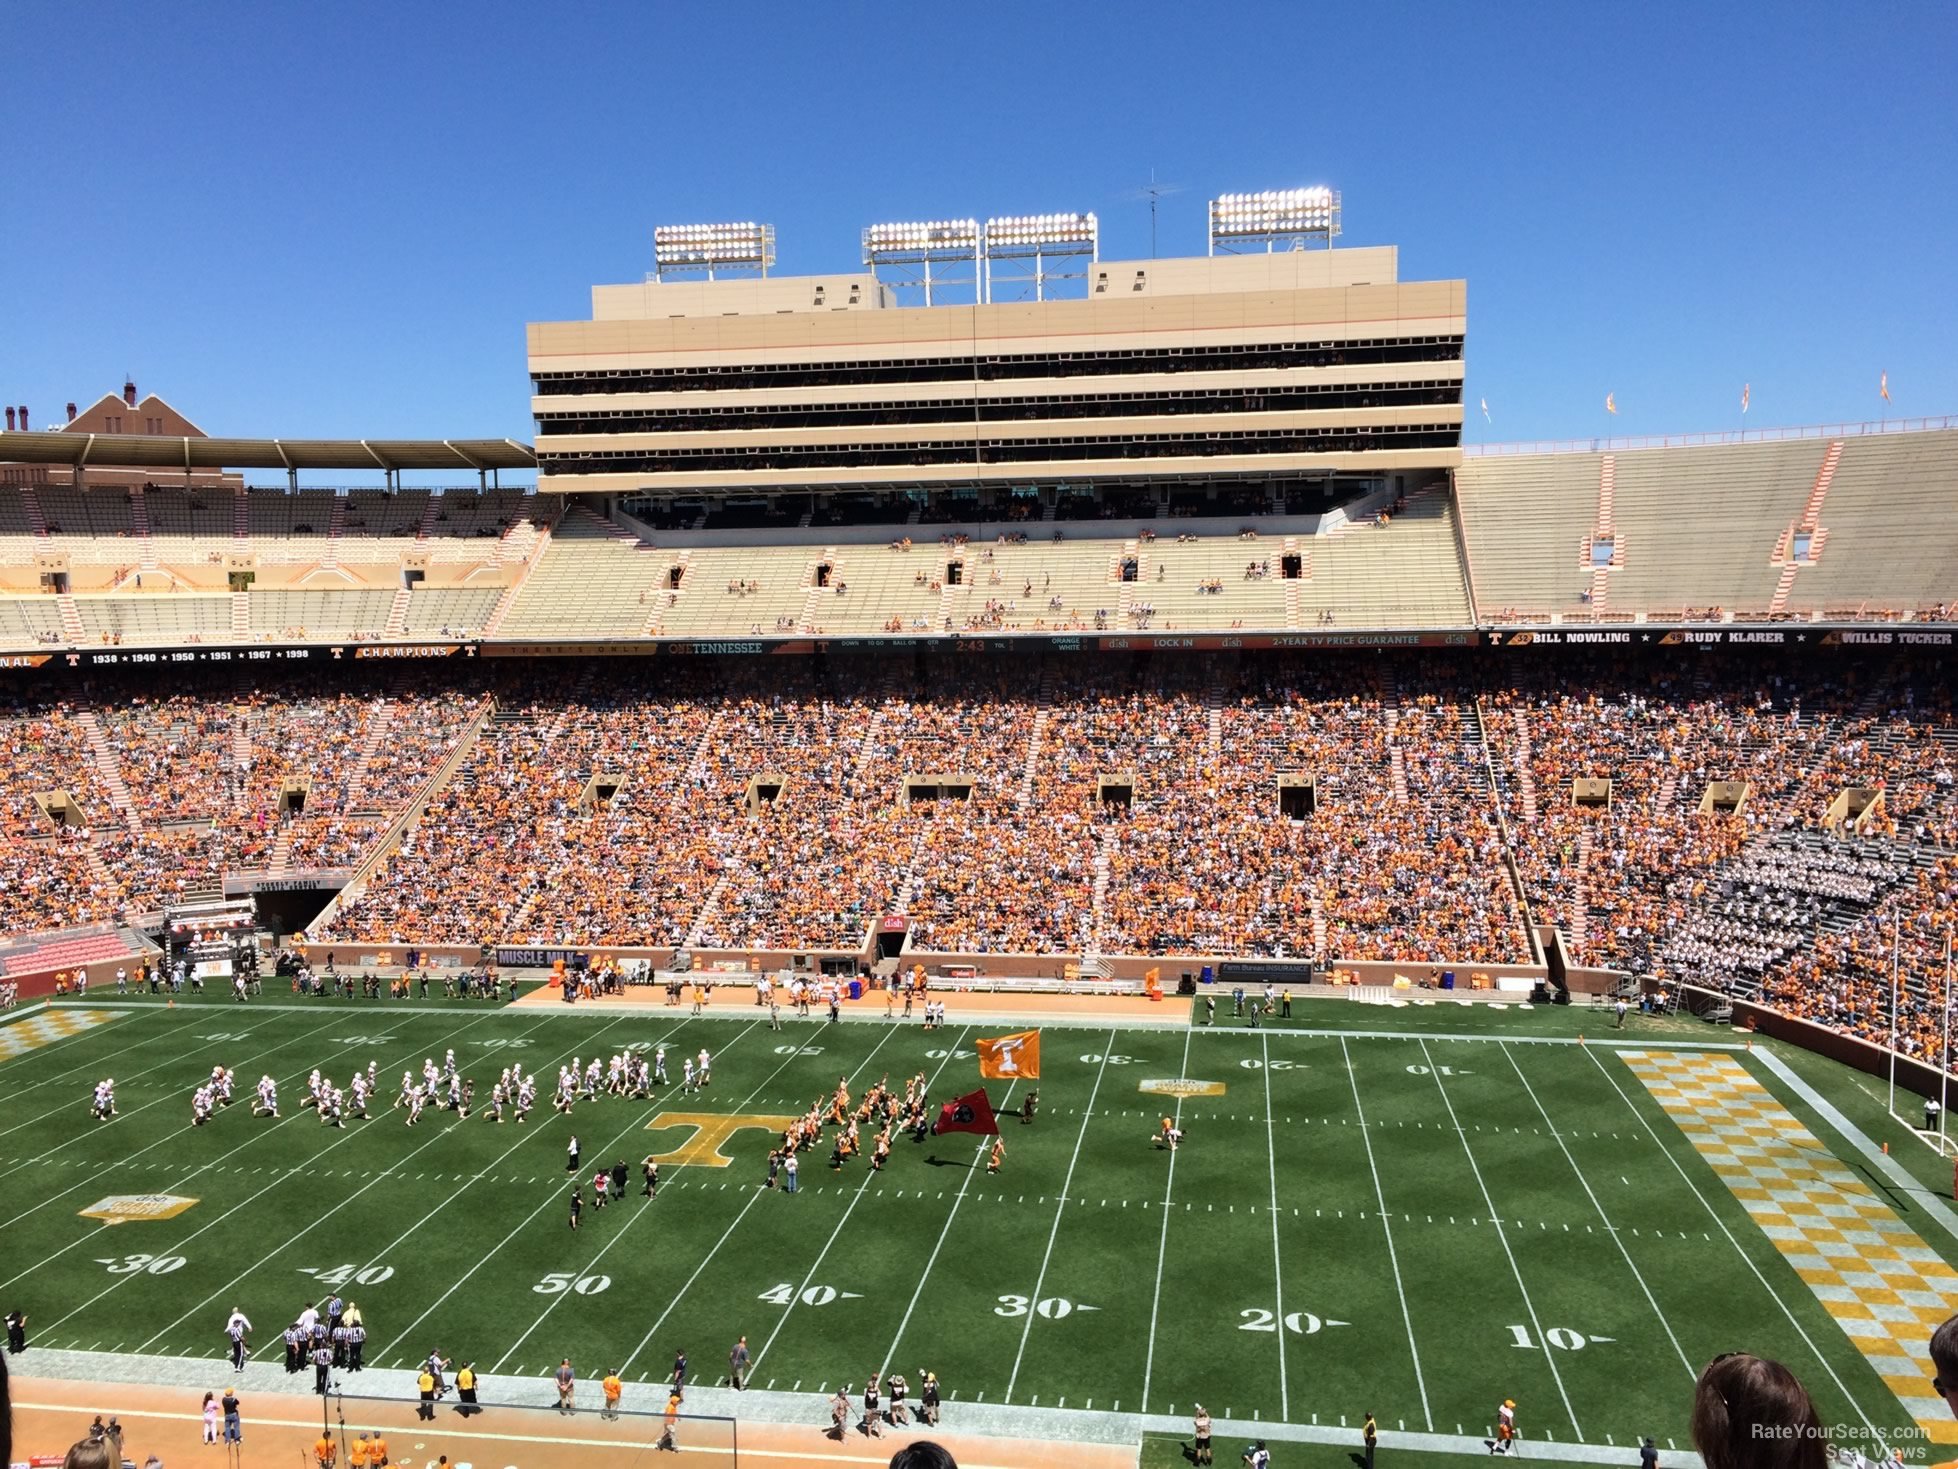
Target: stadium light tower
x: 1025, y: 244
x: 1292, y: 218
x: 934, y: 255
x: 684, y: 248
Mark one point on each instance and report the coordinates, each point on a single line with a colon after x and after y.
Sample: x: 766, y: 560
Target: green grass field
x: 1419, y: 1224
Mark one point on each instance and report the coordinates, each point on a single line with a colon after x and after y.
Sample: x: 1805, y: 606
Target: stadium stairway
x: 139, y: 519
x: 241, y: 614
x: 1580, y: 900
x: 30, y: 502
x: 109, y: 766
x: 241, y: 756
x: 1525, y: 782
x: 241, y: 523
x: 1810, y: 524
x: 1318, y: 929
x: 397, y: 623
x: 279, y: 861
x: 71, y: 618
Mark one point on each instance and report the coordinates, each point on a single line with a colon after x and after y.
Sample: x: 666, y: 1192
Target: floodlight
x: 711, y: 246
x: 885, y: 241
x: 1274, y: 214
x: 1031, y: 231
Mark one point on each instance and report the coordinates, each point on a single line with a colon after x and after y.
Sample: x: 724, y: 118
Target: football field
x: 1416, y: 1212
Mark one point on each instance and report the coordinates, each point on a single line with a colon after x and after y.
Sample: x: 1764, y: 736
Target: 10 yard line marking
x: 1060, y: 1208
x: 855, y: 1199
x: 1617, y: 1237
x: 1549, y: 1357
x: 1746, y: 1259
x: 1277, y: 1259
x: 1393, y: 1256
x: 1162, y: 1248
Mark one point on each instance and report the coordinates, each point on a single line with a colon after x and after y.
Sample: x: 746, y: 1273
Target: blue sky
x: 335, y: 220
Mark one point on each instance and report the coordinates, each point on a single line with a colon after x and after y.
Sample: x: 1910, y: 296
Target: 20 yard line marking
x: 1067, y: 1187
x: 1617, y: 1237
x: 1549, y: 1357
x: 1393, y: 1257
x: 1277, y: 1259
x: 1162, y: 1247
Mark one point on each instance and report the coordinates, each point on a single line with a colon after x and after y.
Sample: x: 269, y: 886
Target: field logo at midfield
x: 121, y: 1208
x: 47, y: 1028
x: 1181, y: 1087
x: 711, y: 1130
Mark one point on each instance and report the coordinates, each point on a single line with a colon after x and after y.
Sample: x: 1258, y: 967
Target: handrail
x: 1700, y: 440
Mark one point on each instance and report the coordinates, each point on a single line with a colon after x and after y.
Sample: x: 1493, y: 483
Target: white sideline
x: 1162, y: 1247
x: 1277, y: 1257
x: 1386, y: 1223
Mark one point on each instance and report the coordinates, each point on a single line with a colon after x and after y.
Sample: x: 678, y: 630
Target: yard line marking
x: 1277, y: 1259
x: 1616, y: 1237
x: 1162, y: 1246
x: 80, y: 1240
x: 1067, y: 1187
x: 1549, y: 1357
x: 753, y: 1196
x: 856, y: 1198
x: 310, y: 1226
x: 1393, y: 1256
x: 1721, y: 1225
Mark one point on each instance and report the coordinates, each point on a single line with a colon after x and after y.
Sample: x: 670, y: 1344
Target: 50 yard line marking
x: 1549, y: 1357
x: 1067, y: 1185
x: 1162, y: 1247
x: 1617, y: 1236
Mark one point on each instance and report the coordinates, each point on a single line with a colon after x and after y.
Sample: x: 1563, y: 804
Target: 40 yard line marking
x: 1060, y: 1208
x: 855, y: 1198
x: 1617, y: 1237
x: 1277, y: 1258
x: 1162, y: 1247
x: 1549, y: 1357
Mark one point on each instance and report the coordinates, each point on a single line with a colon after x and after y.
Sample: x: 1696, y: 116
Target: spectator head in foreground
x: 92, y: 1453
x: 924, y: 1454
x: 1944, y: 1357
x: 1751, y: 1413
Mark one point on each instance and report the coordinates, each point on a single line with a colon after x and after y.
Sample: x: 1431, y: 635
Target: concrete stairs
x: 1809, y: 524
x: 98, y: 870
x: 709, y: 911
x: 916, y: 515
x: 397, y: 623
x: 1668, y: 788
x: 1042, y: 717
x: 1319, y: 930
x: 71, y: 618
x: 280, y: 861
x: 379, y: 724
x: 241, y: 755
x: 1525, y: 781
x: 1214, y: 720
x: 30, y: 502
x: 515, y: 544
x: 502, y: 608
x: 425, y: 527
x: 1092, y: 951
x: 1047, y: 514
x: 1604, y: 530
x: 336, y: 526
x: 241, y: 614
x: 139, y: 520
x: 1580, y: 902
x: 241, y: 522
x: 108, y: 765
x: 812, y: 602
x: 806, y: 518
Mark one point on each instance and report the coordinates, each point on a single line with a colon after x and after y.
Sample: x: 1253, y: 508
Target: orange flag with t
x: 1010, y: 1057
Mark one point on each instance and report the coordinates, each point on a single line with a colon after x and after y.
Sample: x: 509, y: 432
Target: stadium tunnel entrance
x: 286, y: 911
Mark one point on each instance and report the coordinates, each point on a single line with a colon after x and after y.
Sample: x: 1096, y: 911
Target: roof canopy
x: 146, y: 451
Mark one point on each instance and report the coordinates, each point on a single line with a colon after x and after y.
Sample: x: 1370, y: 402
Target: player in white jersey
x: 686, y: 1076
x: 333, y: 1108
x: 416, y: 1098
x: 200, y: 1106
x: 407, y: 1088
x: 268, y: 1098
x: 449, y: 1065
x: 362, y: 1090
x: 706, y: 1067
x: 592, y: 1074
x: 615, y: 1075
x: 227, y: 1083
x: 659, y: 1065
x: 104, y: 1105
x: 499, y: 1095
x: 526, y: 1098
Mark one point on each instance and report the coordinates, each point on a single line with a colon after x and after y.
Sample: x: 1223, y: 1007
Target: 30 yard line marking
x: 1549, y: 1357
x: 1277, y: 1259
x: 1067, y: 1191
x: 855, y: 1198
x: 1617, y: 1237
x: 1393, y: 1257
x: 1162, y: 1247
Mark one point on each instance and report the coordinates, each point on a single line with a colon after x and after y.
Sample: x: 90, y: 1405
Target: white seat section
x: 1525, y: 519
x: 704, y: 606
x: 1697, y: 527
x: 594, y: 579
x: 154, y: 619
x: 331, y: 613
x: 1891, y: 538
x: 25, y: 621
x: 458, y: 609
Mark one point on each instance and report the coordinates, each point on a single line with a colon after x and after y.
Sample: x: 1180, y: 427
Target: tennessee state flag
x: 972, y: 1112
x: 1010, y: 1057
